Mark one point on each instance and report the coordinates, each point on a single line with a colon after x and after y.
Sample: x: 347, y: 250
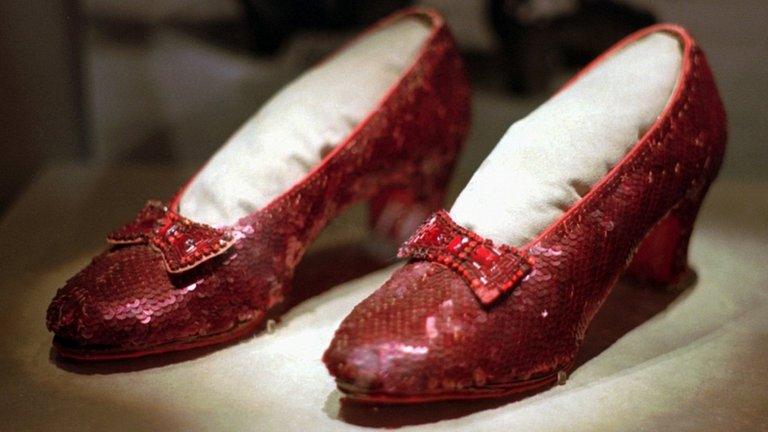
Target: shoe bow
x: 489, y: 270
x: 182, y: 243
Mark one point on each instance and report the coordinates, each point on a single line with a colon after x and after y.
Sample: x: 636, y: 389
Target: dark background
x: 112, y: 83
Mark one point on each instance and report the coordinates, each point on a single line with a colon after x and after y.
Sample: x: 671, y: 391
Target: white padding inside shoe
x: 292, y: 132
x: 547, y: 161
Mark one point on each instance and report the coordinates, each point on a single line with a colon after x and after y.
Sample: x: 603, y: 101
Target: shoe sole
x: 534, y: 385
x: 68, y: 350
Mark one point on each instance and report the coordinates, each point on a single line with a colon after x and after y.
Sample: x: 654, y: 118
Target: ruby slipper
x: 381, y: 120
x: 605, y: 177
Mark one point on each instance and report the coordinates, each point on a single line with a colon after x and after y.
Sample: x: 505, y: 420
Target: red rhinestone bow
x: 488, y: 269
x: 182, y: 243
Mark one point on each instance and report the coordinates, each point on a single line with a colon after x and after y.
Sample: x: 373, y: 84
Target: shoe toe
x: 123, y: 298
x: 415, y: 335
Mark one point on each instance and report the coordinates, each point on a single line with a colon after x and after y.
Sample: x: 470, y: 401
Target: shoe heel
x: 395, y: 213
x: 662, y: 257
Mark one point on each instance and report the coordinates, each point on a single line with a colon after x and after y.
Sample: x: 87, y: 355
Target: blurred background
x: 111, y: 84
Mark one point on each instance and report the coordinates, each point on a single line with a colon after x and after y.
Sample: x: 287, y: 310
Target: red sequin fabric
x: 426, y: 334
x: 153, y: 293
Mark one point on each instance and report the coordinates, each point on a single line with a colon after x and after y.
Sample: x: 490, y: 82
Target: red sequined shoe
x: 170, y: 281
x: 472, y: 317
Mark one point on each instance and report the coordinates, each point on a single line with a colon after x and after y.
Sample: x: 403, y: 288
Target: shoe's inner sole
x: 547, y: 161
x: 302, y: 123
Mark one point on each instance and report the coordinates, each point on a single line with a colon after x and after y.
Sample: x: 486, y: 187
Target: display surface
x: 693, y: 357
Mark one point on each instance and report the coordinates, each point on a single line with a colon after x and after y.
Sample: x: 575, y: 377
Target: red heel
x: 662, y: 257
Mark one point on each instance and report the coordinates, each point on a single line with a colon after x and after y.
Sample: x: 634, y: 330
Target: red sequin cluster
x: 182, y: 243
x: 490, y: 270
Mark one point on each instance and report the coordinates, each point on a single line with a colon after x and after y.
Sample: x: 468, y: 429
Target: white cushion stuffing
x: 547, y: 161
x: 292, y: 132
